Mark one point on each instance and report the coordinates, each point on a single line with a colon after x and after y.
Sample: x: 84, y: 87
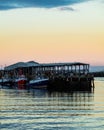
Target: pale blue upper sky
x: 11, y: 4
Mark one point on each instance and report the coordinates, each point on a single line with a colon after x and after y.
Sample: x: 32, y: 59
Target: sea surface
x: 41, y: 110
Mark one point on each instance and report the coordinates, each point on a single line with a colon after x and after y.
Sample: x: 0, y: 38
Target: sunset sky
x: 48, y: 31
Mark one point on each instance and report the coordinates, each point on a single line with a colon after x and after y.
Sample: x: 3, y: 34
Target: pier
x: 62, y: 76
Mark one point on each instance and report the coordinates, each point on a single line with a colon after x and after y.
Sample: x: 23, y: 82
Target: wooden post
x: 79, y: 69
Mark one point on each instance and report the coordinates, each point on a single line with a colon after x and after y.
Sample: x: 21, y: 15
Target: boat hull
x: 38, y: 83
x: 20, y: 83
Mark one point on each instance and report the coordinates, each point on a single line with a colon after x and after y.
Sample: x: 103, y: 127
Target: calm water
x: 40, y: 110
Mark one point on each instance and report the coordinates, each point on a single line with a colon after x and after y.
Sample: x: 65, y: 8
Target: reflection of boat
x: 38, y: 83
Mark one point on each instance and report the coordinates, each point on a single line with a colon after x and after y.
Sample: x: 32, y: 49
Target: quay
x: 62, y: 76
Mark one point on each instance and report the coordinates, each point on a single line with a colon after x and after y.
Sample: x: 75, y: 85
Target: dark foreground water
x: 41, y: 110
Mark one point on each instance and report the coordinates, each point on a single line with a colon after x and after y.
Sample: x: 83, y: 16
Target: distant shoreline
x: 98, y: 74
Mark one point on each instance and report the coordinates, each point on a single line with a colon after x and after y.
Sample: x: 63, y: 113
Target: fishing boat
x: 20, y: 82
x: 5, y: 81
x: 38, y: 83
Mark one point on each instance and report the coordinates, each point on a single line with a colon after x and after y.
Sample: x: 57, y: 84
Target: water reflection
x: 40, y: 109
x: 42, y: 99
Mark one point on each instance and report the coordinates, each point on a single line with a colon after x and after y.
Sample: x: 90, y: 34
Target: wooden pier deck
x: 76, y: 83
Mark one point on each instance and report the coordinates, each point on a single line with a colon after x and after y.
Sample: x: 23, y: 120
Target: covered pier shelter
x: 62, y: 76
x: 48, y: 69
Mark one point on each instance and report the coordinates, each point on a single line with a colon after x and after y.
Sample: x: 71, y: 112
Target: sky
x: 50, y: 31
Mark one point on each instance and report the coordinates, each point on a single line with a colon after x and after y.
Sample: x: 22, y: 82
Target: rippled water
x: 41, y: 110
